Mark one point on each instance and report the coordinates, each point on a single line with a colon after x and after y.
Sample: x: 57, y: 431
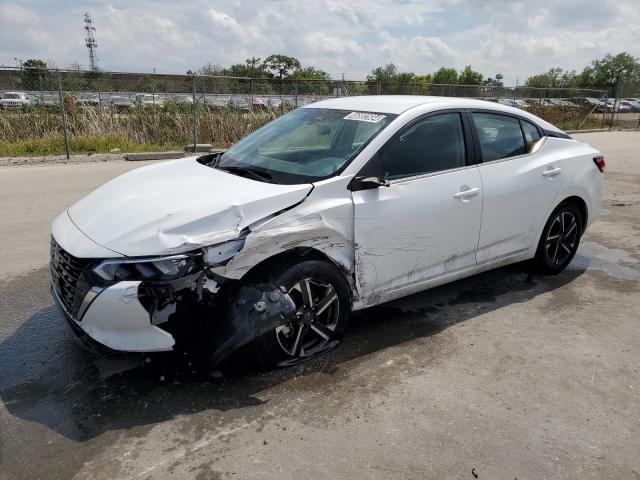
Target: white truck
x: 15, y: 100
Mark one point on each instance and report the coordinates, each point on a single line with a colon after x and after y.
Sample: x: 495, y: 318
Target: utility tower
x: 90, y: 41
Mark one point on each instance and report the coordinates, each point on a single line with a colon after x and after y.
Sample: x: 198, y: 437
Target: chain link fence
x: 84, y: 111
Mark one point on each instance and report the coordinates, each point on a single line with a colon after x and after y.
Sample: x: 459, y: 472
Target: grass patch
x: 78, y: 145
x: 92, y: 130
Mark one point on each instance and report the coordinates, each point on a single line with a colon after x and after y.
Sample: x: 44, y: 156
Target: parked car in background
x: 619, y: 107
x: 183, y: 98
x: 586, y: 102
x: 93, y: 101
x: 633, y: 105
x: 258, y: 104
x: 15, y: 100
x: 121, y: 103
x: 509, y: 102
x: 147, y: 99
x: 513, y: 102
x: 239, y: 103
x: 217, y: 102
x: 560, y: 102
x: 274, y: 103
x: 521, y: 104
x: 333, y: 207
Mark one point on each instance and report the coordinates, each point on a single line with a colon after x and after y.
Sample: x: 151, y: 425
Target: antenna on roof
x: 90, y: 41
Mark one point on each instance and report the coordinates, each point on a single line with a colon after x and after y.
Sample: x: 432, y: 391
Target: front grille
x: 66, y: 276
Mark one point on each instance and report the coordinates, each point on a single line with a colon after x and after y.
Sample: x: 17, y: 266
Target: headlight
x: 161, y: 268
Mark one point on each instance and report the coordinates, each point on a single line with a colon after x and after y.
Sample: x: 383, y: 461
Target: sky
x: 350, y: 37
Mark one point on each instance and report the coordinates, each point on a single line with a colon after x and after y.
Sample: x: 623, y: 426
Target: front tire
x: 322, y: 299
x: 559, y: 240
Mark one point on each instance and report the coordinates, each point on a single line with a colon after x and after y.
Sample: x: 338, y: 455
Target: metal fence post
x: 64, y: 117
x: 194, y: 113
x: 295, y: 87
x: 615, y: 99
x: 204, y: 95
x: 41, y: 93
x: 251, y: 87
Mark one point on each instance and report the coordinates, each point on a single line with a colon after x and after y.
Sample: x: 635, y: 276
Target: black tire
x: 559, y: 240
x: 318, y: 329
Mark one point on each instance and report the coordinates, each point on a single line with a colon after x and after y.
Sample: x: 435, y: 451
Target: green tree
x: 33, y: 74
x: 392, y: 80
x: 604, y: 73
x: 423, y: 79
x: 423, y: 84
x: 310, y: 73
x: 388, y: 73
x: 554, y: 78
x: 256, y: 68
x: 492, y: 82
x: 209, y: 69
x: 281, y: 65
x: 446, y: 76
x: 313, y: 81
x: 468, y: 76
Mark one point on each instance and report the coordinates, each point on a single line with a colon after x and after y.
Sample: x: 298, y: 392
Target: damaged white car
x: 334, y: 207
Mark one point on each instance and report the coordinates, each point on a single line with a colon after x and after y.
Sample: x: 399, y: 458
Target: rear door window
x: 500, y: 136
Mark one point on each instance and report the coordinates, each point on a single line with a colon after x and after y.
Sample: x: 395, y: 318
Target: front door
x: 426, y: 223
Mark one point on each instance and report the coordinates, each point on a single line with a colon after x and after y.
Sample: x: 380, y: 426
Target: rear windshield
x: 305, y: 145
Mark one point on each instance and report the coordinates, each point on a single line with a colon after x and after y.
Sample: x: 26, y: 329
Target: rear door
x: 425, y: 224
x: 519, y: 182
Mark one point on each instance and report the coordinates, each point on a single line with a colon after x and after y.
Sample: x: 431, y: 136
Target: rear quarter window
x: 531, y: 134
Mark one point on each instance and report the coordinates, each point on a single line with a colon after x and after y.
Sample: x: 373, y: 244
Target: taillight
x: 599, y: 161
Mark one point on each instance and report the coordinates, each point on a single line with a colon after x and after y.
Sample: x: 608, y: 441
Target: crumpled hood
x: 176, y: 206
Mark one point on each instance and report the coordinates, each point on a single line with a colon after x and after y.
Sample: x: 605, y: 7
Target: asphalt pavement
x: 500, y: 376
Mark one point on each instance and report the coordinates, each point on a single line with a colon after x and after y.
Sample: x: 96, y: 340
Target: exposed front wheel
x: 321, y: 297
x: 560, y: 239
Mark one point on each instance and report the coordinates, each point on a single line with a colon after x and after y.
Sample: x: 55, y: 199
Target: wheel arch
x: 581, y: 205
x: 297, y: 254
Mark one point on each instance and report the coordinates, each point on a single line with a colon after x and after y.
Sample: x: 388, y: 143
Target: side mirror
x: 367, y: 183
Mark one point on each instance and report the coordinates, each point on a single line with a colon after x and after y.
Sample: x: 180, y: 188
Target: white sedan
x: 334, y: 207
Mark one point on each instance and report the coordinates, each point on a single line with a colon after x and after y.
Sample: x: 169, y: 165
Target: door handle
x: 468, y: 193
x: 551, y: 172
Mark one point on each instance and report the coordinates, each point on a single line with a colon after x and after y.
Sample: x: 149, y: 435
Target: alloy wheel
x: 562, y: 238
x: 312, y: 331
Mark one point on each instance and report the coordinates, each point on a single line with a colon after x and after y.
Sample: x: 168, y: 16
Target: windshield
x: 12, y: 95
x: 305, y: 145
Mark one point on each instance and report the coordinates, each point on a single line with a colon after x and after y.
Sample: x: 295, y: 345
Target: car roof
x: 397, y: 104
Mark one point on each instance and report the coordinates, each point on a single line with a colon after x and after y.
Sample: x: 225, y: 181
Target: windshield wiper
x: 247, y: 172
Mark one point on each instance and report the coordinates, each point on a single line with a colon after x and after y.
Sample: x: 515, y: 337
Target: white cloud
x: 516, y: 38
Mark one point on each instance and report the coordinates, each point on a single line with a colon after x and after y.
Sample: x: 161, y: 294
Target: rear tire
x: 322, y: 298
x: 559, y: 240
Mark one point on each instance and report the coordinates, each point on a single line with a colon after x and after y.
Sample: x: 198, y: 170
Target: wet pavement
x: 503, y: 375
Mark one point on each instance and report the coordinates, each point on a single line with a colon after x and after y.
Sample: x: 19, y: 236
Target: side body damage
x: 219, y: 300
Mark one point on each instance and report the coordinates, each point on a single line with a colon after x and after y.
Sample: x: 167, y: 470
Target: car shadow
x: 47, y: 379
